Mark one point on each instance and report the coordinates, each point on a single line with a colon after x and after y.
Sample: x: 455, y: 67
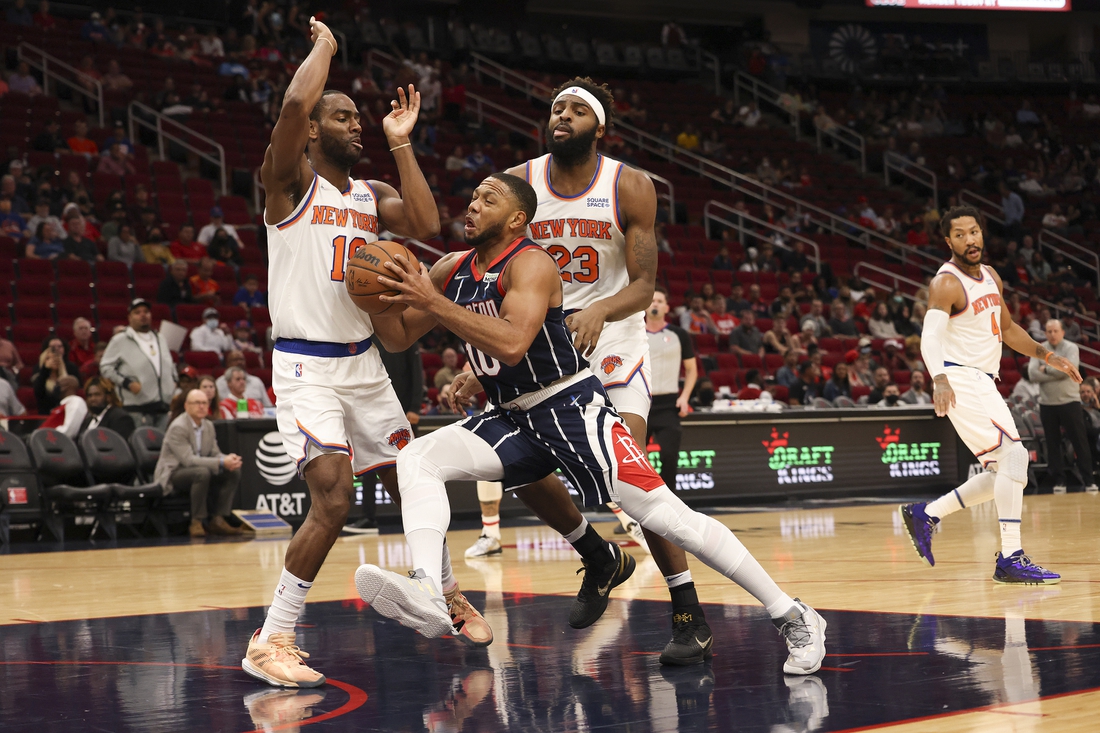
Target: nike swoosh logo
x: 603, y: 590
x: 307, y: 587
x: 704, y: 642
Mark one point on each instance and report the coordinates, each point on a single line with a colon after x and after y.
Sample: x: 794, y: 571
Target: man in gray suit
x: 191, y: 458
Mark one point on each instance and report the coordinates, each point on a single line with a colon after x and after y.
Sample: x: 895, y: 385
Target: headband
x: 589, y: 99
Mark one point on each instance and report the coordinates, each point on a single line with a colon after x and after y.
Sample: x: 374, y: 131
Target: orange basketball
x: 361, y: 276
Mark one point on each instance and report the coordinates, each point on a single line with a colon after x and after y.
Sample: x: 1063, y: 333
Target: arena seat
x: 20, y: 491
x: 66, y: 484
x: 110, y: 462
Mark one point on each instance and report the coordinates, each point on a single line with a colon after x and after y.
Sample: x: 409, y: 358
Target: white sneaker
x: 484, y: 547
x: 1092, y: 489
x: 413, y: 600
x: 1059, y: 488
x: 635, y: 531
x: 804, y: 631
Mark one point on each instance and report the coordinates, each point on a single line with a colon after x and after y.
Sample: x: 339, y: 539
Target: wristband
x: 322, y: 38
x: 398, y: 147
x: 1047, y: 357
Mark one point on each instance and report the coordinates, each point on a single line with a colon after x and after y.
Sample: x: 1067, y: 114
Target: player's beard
x: 339, y: 153
x: 487, y: 235
x: 574, y: 150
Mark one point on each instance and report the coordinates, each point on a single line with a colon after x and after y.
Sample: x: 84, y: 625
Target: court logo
x: 798, y: 464
x: 298, y: 369
x: 272, y: 461
x: 611, y: 363
x: 399, y: 438
x: 908, y: 459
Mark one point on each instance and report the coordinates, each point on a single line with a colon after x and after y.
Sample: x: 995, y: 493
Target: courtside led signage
x: 908, y: 459
x: 798, y: 464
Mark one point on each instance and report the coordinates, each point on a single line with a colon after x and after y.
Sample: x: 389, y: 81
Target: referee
x: 669, y: 349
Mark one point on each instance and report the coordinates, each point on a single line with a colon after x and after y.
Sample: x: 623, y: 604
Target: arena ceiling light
x: 1046, y: 5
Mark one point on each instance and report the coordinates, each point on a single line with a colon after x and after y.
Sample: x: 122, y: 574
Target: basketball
x: 364, y: 268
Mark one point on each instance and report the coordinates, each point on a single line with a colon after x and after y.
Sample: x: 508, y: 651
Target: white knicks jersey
x: 585, y: 235
x: 973, y: 336
x: 308, y: 253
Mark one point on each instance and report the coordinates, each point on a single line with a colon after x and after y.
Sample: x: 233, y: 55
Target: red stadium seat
x: 202, y: 360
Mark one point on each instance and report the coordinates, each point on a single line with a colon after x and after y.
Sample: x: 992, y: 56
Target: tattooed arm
x: 638, y: 211
x: 1017, y: 339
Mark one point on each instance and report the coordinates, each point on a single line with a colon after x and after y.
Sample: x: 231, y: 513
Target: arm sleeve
x: 931, y: 343
x: 687, y: 349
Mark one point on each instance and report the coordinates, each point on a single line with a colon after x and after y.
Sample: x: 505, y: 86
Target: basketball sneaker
x: 281, y: 707
x: 1018, y: 569
x: 804, y: 631
x: 469, y: 625
x: 635, y: 531
x: 485, y: 546
x: 596, y: 587
x: 413, y: 600
x: 920, y: 527
x: 278, y: 662
x: 691, y: 641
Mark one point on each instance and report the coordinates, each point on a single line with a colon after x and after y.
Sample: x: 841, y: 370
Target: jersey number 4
x: 588, y: 260
x: 341, y: 253
x: 994, y: 326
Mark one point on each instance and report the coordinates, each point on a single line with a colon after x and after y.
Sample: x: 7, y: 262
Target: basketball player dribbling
x: 336, y: 410
x: 967, y: 323
x: 504, y: 299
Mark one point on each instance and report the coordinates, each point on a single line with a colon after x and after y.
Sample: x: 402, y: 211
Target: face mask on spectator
x: 212, y: 323
x: 891, y: 399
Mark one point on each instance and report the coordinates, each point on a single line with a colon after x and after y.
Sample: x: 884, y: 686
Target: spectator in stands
x: 104, y: 409
x: 1090, y: 404
x: 912, y: 355
x: 82, y: 347
x: 808, y: 387
x: 224, y: 249
x: 779, y: 339
x: 41, y: 214
x: 881, y: 323
x: 116, y: 162
x: 696, y: 319
x: 11, y: 224
x: 53, y: 364
x: 176, y: 286
x: 235, y: 379
x: 757, y: 305
x: 19, y: 14
x: 689, y: 138
x: 79, y: 143
x: 787, y: 375
x: 1039, y: 269
x: 156, y: 249
x: 10, y: 362
x: 244, y: 339
x: 1026, y: 115
x: 43, y: 19
x: 1055, y: 220
x: 94, y: 30
x: 891, y: 395
x: 46, y: 244
x: 204, y: 288
x: 746, y: 338
x: 724, y: 321
x: 892, y: 357
x: 816, y: 319
x: 139, y: 363
x: 254, y: 386
x: 217, y: 221
x: 1060, y: 408
x: 23, y: 82
x: 114, y: 80
x: 456, y: 161
x: 918, y: 391
x: 119, y: 137
x: 463, y: 186
x: 68, y: 415
x: 722, y: 260
x: 783, y: 304
x: 249, y: 294
x: 838, y: 385
x: 209, y: 386
x: 726, y: 114
x: 749, y: 115
x: 181, y: 466
x: 478, y: 160
x: 77, y: 245
x: 841, y: 324
x: 211, y: 44
x: 188, y: 380
x: 185, y: 247
x: 124, y: 247
x: 881, y: 378
x: 736, y: 302
x: 447, y: 373
x: 210, y: 336
x: 10, y: 189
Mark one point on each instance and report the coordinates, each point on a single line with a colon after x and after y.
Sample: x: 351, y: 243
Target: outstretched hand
x: 398, y: 124
x: 319, y: 31
x: 415, y: 285
x: 1063, y: 364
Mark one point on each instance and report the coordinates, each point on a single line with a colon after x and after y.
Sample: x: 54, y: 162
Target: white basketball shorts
x: 980, y: 415
x: 620, y: 360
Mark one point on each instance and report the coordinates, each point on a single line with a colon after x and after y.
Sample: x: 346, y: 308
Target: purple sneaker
x: 920, y: 527
x: 1018, y: 569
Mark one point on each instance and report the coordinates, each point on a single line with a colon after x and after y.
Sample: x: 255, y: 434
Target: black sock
x: 684, y: 595
x: 593, y: 548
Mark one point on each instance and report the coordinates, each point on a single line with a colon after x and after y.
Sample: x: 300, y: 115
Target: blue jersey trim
x: 322, y: 349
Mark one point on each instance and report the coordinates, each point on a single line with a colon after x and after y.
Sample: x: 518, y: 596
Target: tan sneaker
x: 470, y: 626
x: 279, y: 662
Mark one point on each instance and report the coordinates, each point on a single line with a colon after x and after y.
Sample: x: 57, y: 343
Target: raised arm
x: 413, y: 212
x: 532, y: 282
x: 285, y: 172
x: 638, y: 206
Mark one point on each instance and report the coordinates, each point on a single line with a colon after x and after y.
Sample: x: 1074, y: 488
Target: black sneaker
x: 691, y: 641
x: 596, y: 588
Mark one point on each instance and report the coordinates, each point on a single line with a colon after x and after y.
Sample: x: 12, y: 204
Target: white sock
x: 578, y: 532
x: 755, y: 579
x: 490, y: 526
x: 447, y: 578
x: 976, y: 490
x: 623, y: 517
x: 678, y: 579
x: 427, y: 553
x: 1009, y: 496
x: 290, y: 596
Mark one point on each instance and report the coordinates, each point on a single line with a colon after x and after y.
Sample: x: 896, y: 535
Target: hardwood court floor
x: 148, y: 638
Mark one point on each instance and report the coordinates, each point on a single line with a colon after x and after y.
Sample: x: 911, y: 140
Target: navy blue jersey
x: 551, y: 355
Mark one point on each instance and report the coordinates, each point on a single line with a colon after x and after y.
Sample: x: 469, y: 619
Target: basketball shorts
x: 576, y: 431
x: 620, y: 360
x: 343, y: 404
x: 980, y: 415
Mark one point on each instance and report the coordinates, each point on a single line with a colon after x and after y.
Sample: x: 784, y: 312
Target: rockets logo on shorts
x: 298, y: 369
x: 611, y: 363
x: 399, y: 438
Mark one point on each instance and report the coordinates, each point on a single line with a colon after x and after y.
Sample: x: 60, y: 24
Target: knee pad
x: 1013, y: 463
